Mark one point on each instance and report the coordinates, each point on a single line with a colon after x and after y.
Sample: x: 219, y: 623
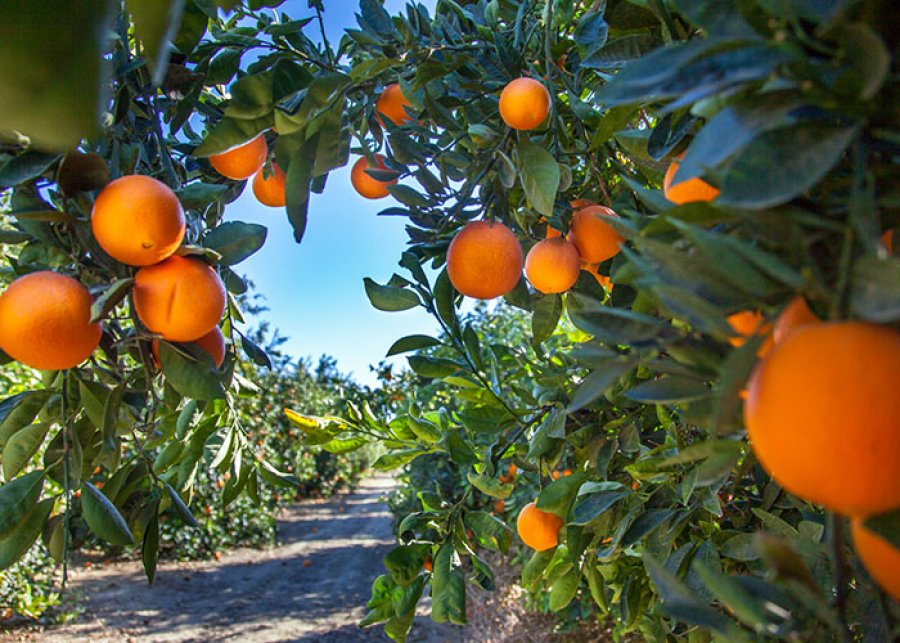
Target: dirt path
x: 312, y: 587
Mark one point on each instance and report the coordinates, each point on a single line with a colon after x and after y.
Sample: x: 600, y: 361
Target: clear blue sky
x: 314, y: 290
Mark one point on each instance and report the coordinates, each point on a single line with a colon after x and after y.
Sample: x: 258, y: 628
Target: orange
x: 694, y: 189
x: 604, y: 281
x: 484, y: 260
x: 138, y: 220
x: 747, y: 323
x: 428, y: 565
x: 392, y: 104
x: 499, y: 506
x: 887, y: 239
x: 45, y: 321
x: 823, y: 416
x: 880, y: 558
x: 537, y: 528
x: 578, y: 204
x: 794, y: 315
x: 566, y: 472
x: 552, y: 265
x: 270, y: 190
x: 524, y: 103
x: 213, y: 343
x: 366, y: 185
x: 243, y: 161
x: 512, y: 470
x: 181, y: 298
x: 595, y: 239
x: 552, y: 233
x: 555, y: 475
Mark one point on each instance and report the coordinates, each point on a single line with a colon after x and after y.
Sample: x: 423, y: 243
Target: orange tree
x: 780, y: 117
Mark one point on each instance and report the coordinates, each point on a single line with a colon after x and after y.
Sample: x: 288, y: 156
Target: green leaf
x: 228, y: 133
x: 235, y: 240
x: 395, y: 459
x: 16, y: 542
x: 405, y: 562
x: 680, y: 601
x: 590, y: 34
x: 25, y: 167
x: 740, y: 547
x: 150, y: 548
x: 425, y: 431
x: 731, y: 594
x: 448, y: 587
x: 547, y: 311
x: 53, y: 86
x: 195, y: 376
x: 886, y: 525
x: 156, y: 23
x: 21, y: 447
x: 563, y: 590
x: 105, y: 303
x: 598, y: 382
x: 338, y: 446
x: 557, y: 496
x: 432, y: 367
x: 783, y: 163
x: 18, y: 411
x: 669, y: 389
x: 17, y: 497
x: 489, y: 485
x: 411, y: 343
x: 390, y: 298
x: 489, y: 531
x: 539, y: 173
x: 102, y: 516
x: 181, y: 508
x: 591, y: 506
x: 534, y: 568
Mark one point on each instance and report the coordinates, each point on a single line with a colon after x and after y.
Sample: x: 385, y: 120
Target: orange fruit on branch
x: 45, y: 321
x: 748, y: 323
x: 690, y: 191
x: 243, y: 161
x: 270, y: 190
x: 880, y: 558
x: 392, y: 104
x: 595, y: 239
x: 823, y: 416
x: 484, y: 260
x: 181, y: 298
x: 537, y: 528
x: 552, y: 265
x: 524, y: 103
x: 138, y: 220
x: 368, y: 186
x: 796, y: 314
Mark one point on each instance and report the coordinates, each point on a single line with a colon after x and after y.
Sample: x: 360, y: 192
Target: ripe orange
x: 794, y: 315
x: 823, y: 416
x: 45, y: 321
x: 138, y: 220
x: 428, y: 565
x: 484, y: 260
x: 270, y: 190
x: 512, y: 470
x: 747, y: 323
x: 887, y: 239
x: 694, y: 189
x: 604, y: 281
x: 243, y: 161
x: 595, y: 239
x: 555, y: 475
x: 213, y: 343
x: 499, y: 506
x: 537, y: 528
x: 366, y: 185
x: 552, y: 265
x: 524, y: 103
x: 392, y: 104
x: 181, y: 298
x: 881, y: 558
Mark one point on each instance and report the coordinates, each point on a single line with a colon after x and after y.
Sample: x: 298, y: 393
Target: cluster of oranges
x: 246, y: 160
x: 45, y: 317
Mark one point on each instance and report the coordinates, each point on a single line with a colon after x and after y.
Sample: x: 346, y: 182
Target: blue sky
x: 314, y: 291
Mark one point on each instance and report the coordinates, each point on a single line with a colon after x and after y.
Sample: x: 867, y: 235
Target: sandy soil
x: 312, y: 587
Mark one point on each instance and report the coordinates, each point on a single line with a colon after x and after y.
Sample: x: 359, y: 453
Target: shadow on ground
x: 312, y: 587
